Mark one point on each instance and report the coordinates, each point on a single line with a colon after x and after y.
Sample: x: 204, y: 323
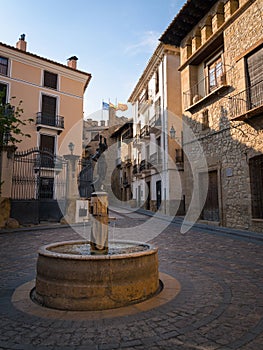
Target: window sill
x: 208, y: 98
x: 260, y: 221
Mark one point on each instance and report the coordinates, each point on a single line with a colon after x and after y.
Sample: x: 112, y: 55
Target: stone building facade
x: 222, y: 85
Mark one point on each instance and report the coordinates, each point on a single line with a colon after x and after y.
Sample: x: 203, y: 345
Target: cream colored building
x: 51, y: 94
x: 221, y: 50
x: 156, y: 103
x: 43, y: 175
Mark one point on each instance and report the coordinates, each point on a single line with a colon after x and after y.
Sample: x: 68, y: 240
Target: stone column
x: 99, y: 223
x: 72, y: 187
x: 6, y: 171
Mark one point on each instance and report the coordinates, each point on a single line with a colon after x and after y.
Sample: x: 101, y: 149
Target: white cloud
x: 147, y: 43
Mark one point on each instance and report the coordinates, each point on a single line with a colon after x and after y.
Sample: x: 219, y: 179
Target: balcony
x: 248, y: 103
x: 145, y: 166
x: 197, y: 95
x: 54, y: 122
x: 127, y: 135
x: 155, y: 122
x: 145, y: 132
x: 136, y: 170
x: 144, y: 102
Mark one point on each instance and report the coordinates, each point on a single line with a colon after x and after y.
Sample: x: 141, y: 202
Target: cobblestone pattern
x: 220, y: 305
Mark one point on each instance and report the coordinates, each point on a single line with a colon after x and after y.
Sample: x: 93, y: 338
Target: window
x: 156, y: 82
x: 49, y: 106
x: 205, y: 119
x: 215, y: 73
x: 157, y: 109
x: 255, y: 78
x: 3, y: 65
x: 3, y: 90
x: 47, y: 143
x: 50, y: 80
x: 256, y: 185
x: 47, y: 146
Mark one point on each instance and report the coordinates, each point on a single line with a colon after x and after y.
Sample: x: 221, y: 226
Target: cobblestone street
x: 220, y: 305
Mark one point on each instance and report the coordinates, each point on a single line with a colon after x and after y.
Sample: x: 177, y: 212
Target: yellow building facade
x: 51, y: 94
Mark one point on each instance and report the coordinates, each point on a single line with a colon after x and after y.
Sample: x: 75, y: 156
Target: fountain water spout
x: 99, y: 223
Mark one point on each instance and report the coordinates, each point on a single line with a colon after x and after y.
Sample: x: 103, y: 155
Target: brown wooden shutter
x: 50, y: 80
x: 49, y: 106
x: 255, y: 77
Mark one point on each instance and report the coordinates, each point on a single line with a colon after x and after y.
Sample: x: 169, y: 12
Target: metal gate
x: 39, y: 186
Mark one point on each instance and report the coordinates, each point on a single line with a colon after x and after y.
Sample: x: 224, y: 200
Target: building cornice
x: 155, y: 60
x: 189, y: 15
x: 41, y: 62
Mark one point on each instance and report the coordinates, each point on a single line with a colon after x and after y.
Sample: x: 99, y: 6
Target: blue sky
x: 113, y: 40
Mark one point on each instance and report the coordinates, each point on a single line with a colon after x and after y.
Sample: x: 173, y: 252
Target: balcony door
x: 255, y: 78
x: 48, y: 110
x: 47, y: 144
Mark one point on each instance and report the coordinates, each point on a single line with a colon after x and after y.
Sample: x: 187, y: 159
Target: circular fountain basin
x: 69, y: 278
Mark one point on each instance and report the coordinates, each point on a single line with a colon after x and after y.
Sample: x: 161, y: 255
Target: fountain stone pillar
x: 99, y: 223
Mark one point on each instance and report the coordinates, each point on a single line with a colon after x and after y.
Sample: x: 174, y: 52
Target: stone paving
x: 220, y: 305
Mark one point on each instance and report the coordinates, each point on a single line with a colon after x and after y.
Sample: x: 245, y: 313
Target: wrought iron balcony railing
x: 145, y: 132
x: 144, y: 165
x: 54, y: 121
x: 155, y: 122
x: 155, y: 159
x: 198, y: 91
x: 247, y: 100
x: 144, y: 102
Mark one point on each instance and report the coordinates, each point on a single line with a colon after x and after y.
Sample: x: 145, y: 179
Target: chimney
x: 21, y: 44
x: 72, y: 62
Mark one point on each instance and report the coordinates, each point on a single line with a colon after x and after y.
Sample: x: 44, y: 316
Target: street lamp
x: 71, y: 147
x: 172, y: 133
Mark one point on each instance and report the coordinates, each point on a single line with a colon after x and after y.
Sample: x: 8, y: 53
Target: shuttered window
x: 49, y: 104
x: 255, y: 78
x: 3, y: 91
x: 256, y: 185
x: 47, y: 143
x: 50, y: 80
x: 3, y: 65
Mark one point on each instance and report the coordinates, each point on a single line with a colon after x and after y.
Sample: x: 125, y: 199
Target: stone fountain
x: 96, y: 274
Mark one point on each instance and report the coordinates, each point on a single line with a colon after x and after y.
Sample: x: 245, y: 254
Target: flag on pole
x: 111, y: 105
x: 105, y: 106
x: 122, y: 107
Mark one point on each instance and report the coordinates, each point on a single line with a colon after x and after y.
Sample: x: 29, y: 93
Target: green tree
x: 11, y: 124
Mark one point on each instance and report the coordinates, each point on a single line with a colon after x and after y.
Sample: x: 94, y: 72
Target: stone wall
x: 228, y: 144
